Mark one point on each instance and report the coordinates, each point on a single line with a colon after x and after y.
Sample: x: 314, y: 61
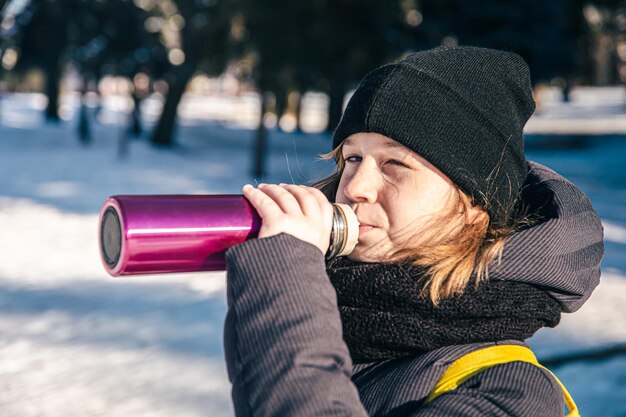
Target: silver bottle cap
x: 345, y: 232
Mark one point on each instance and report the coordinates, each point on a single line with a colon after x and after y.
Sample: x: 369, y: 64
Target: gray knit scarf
x: 384, y: 316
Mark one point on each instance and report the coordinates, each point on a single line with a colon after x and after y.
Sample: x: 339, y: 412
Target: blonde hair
x: 461, y: 255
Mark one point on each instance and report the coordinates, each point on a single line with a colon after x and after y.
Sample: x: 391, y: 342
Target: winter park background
x: 107, y: 97
x: 76, y: 342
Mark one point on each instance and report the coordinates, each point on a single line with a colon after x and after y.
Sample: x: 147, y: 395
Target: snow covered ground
x: 76, y: 342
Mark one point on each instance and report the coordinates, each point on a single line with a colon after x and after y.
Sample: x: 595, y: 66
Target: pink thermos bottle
x: 156, y: 234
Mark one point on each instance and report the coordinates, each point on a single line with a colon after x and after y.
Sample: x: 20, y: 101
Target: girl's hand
x: 303, y: 212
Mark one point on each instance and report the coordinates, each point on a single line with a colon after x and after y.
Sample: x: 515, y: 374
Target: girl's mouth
x: 364, y: 228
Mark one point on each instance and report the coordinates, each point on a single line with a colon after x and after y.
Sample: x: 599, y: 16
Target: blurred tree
x: 327, y: 45
x: 350, y: 38
x: 537, y: 30
x: 167, y: 38
x: 272, y: 36
x: 110, y: 37
x: 103, y: 37
x: 37, y: 34
x: 204, y: 30
x: 603, y: 36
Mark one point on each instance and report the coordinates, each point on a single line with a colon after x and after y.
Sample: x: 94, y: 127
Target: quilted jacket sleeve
x: 283, y: 343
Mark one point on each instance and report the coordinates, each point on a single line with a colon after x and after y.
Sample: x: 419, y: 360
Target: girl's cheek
x: 346, y: 176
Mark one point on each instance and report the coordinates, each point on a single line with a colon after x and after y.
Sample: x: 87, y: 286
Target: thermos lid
x: 111, y: 237
x: 351, y: 227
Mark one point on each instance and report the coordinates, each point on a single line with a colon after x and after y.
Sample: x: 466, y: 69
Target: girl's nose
x: 362, y: 184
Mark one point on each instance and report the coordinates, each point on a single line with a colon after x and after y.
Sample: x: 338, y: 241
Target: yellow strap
x: 477, y: 361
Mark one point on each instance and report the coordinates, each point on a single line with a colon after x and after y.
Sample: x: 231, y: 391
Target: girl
x: 465, y: 250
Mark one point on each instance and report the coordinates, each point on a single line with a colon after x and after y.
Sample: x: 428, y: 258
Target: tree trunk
x: 84, y: 130
x: 53, y: 83
x: 164, y: 133
x: 298, y: 110
x: 260, y: 144
x: 135, y: 129
x: 281, y: 105
x: 335, y: 108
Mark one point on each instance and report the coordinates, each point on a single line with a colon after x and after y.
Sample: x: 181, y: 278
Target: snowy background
x: 76, y: 342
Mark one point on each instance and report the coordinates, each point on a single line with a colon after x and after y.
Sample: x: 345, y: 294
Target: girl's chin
x: 361, y: 255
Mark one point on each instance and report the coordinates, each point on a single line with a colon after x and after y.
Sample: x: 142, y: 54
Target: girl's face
x: 396, y: 194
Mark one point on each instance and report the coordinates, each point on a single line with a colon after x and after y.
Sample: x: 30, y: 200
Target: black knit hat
x: 462, y: 108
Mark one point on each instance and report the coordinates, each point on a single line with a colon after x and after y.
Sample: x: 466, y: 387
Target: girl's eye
x: 352, y: 158
x: 397, y: 163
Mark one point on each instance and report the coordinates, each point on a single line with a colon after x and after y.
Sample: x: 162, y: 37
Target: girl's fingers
x: 271, y: 199
x: 285, y: 200
x: 325, y: 206
x: 294, y: 210
x: 321, y: 198
x: 309, y: 205
x: 264, y: 204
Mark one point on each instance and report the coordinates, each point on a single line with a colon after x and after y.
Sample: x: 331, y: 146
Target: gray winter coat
x: 283, y: 340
